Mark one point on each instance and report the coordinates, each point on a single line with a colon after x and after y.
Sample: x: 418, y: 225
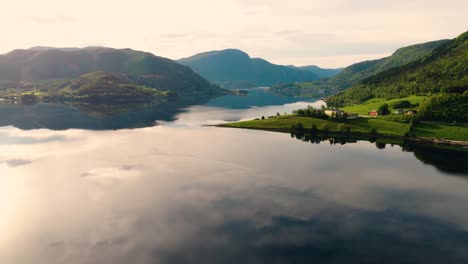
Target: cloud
x: 16, y: 162
x: 121, y: 172
x: 7, y: 139
x: 283, y: 32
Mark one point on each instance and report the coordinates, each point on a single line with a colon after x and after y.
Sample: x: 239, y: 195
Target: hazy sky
x: 331, y: 33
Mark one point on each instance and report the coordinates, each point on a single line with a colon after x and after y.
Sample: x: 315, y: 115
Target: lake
x: 81, y: 184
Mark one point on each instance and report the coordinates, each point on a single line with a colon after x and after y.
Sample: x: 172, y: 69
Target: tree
x: 263, y: 117
x: 300, y: 112
x: 384, y: 109
x: 445, y: 107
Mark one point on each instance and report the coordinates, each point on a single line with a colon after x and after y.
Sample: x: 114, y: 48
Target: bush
x: 373, y: 131
x: 298, y: 127
x: 311, y: 112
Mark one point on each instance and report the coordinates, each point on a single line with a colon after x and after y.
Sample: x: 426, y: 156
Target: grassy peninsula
x: 402, y: 123
x: 422, y: 100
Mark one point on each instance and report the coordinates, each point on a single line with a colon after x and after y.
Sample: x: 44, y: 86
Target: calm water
x: 179, y: 192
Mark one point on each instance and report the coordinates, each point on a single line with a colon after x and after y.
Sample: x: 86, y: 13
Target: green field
x: 356, y: 125
x: 373, y: 104
x: 383, y: 126
x: 436, y: 130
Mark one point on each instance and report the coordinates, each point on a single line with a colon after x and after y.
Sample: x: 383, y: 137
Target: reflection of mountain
x: 255, y: 98
x: 87, y: 116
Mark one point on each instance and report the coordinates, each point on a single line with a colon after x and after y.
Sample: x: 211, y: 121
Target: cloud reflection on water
x: 202, y: 194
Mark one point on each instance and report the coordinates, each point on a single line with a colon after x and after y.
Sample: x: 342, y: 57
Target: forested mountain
x: 355, y: 73
x: 444, y: 70
x: 442, y: 76
x: 233, y: 68
x: 31, y: 68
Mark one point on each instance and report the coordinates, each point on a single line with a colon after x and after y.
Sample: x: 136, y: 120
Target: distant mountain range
x: 234, y: 68
x: 321, y: 72
x: 48, y: 70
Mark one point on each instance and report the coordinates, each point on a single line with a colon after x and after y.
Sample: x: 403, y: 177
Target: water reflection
x: 446, y: 159
x: 120, y: 116
x: 195, y: 195
x: 183, y: 193
x: 87, y: 116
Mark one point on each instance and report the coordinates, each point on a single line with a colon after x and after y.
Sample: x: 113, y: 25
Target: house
x: 399, y: 112
x: 353, y: 116
x: 334, y: 113
x: 374, y: 113
x: 411, y: 112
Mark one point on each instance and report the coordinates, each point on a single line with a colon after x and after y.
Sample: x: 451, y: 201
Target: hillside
x: 46, y: 69
x: 445, y: 70
x: 235, y: 69
x: 355, y: 73
x: 107, y: 87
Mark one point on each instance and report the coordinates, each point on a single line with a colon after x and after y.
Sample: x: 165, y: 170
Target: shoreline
x: 413, y: 139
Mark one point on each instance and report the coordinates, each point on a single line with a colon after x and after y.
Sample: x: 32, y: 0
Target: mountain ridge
x: 230, y: 66
x: 444, y: 70
x: 357, y: 72
x: 39, y: 64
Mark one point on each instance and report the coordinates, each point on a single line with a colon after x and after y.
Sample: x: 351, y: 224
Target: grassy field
x: 373, y: 104
x: 356, y: 125
x: 436, y: 130
x: 383, y: 126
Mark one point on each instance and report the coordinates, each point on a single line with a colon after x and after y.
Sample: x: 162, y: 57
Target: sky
x: 331, y: 33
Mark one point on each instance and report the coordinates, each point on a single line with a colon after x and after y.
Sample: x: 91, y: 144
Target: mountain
x: 233, y: 68
x: 321, y: 72
x: 444, y: 70
x: 355, y: 73
x: 45, y: 69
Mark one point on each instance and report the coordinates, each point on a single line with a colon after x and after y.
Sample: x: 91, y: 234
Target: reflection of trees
x: 317, y: 139
x: 446, y: 160
x: 380, y: 145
